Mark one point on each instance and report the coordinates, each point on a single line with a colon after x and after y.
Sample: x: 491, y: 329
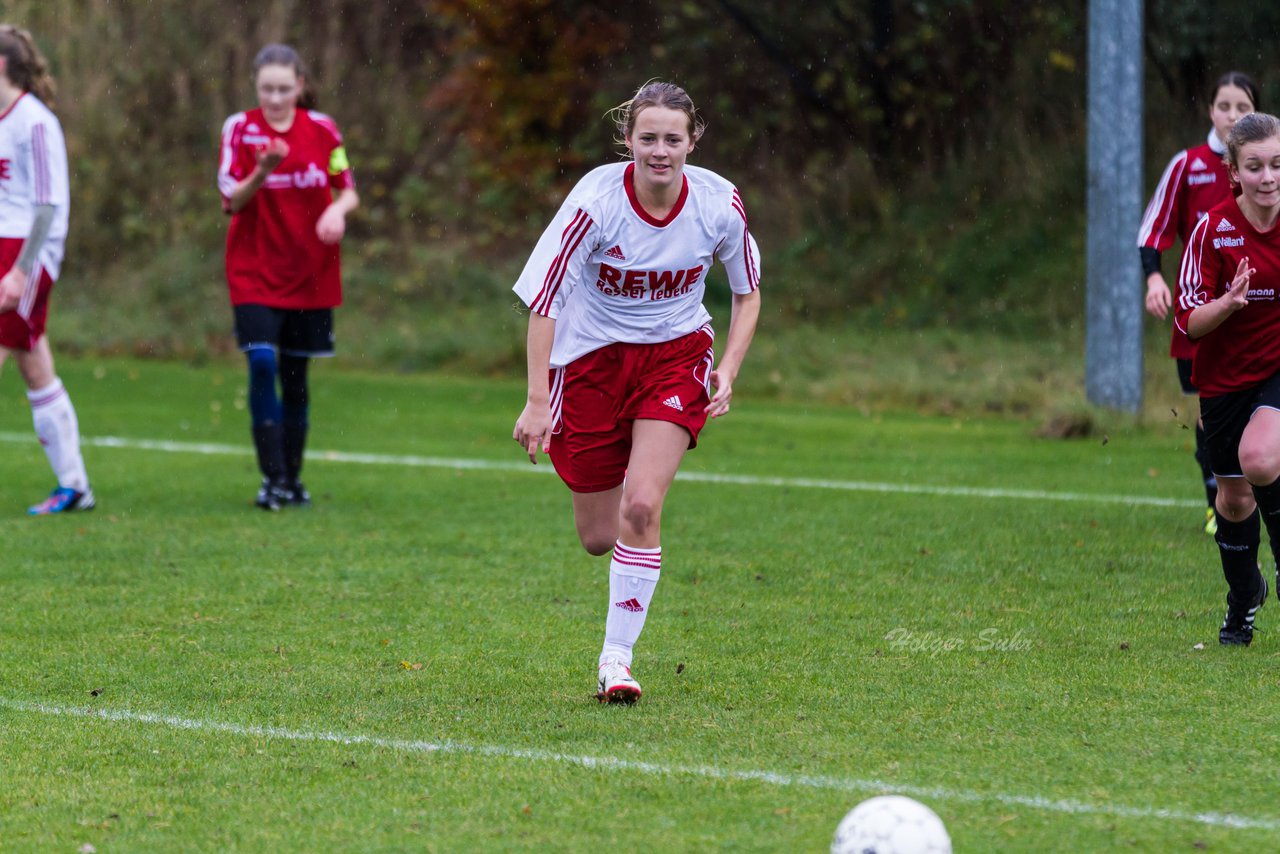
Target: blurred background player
x: 279, y: 168
x: 620, y: 358
x: 1229, y: 302
x: 1194, y: 181
x: 35, y: 201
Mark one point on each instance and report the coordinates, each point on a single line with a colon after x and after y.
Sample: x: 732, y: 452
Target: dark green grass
x: 454, y: 606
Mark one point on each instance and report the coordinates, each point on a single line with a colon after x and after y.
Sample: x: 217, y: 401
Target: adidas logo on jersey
x: 1198, y: 164
x: 632, y: 605
x: 615, y: 253
x: 674, y: 403
x: 1226, y: 226
x: 251, y: 127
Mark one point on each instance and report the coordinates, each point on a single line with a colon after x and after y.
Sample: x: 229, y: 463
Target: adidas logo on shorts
x: 674, y: 403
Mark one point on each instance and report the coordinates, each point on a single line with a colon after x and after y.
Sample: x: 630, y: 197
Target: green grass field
x: 409, y: 664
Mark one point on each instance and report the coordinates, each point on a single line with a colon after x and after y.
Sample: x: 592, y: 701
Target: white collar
x: 1216, y: 145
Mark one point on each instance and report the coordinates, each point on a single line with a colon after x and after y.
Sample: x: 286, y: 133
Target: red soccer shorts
x: 21, y: 328
x: 595, y: 399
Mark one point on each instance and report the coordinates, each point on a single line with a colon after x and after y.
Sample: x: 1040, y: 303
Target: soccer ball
x: 891, y: 824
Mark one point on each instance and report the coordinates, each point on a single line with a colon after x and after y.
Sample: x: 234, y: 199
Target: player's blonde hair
x: 655, y: 93
x: 1252, y: 127
x: 25, y: 65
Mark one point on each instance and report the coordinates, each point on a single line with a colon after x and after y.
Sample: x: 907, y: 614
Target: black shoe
x: 298, y: 495
x: 1237, y: 625
x: 271, y: 496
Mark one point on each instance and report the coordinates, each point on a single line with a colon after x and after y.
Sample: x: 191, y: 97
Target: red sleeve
x: 231, y: 170
x: 1199, y: 274
x: 340, y: 175
x: 1160, y: 222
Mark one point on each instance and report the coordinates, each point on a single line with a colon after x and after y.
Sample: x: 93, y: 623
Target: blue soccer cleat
x: 64, y: 499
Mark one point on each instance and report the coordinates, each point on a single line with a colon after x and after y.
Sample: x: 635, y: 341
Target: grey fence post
x: 1113, y: 299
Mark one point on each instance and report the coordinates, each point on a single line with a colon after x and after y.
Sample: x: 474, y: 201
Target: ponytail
x: 25, y: 65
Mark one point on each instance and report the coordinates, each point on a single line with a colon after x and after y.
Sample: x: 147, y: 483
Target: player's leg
x: 1226, y: 419
x: 636, y: 565
x: 589, y: 446
x: 258, y: 332
x: 1237, y: 538
x: 595, y: 515
x: 1260, y: 461
x: 1202, y: 456
x: 1210, y: 482
x: 295, y: 411
x: 305, y: 334
x: 54, y: 418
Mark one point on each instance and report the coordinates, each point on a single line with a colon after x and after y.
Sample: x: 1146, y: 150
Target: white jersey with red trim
x: 606, y: 271
x: 33, y: 171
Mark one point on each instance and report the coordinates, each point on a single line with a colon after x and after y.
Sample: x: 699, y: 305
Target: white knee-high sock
x: 59, y: 432
x: 633, y: 574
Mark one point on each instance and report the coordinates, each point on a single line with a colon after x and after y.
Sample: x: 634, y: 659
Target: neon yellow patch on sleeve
x: 338, y: 162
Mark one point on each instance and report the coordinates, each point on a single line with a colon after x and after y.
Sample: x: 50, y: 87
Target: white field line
x: 611, y: 763
x: 412, y: 461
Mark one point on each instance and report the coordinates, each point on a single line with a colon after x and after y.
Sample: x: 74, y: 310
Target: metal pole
x: 1113, y: 298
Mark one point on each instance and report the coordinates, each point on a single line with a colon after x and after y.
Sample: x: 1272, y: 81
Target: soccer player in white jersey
x: 34, y: 200
x: 620, y: 361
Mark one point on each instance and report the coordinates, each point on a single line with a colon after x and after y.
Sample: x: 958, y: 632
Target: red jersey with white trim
x: 606, y: 271
x: 1194, y: 181
x: 33, y: 171
x: 274, y: 256
x: 1245, y: 350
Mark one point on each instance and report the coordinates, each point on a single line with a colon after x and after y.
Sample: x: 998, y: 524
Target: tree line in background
x: 467, y: 120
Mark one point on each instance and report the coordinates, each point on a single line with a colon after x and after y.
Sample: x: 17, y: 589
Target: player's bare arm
x: 1158, y: 300
x: 742, y: 328
x: 332, y: 224
x: 533, y: 427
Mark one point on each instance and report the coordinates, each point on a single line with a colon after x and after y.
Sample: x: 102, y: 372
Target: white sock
x: 633, y: 573
x: 59, y: 432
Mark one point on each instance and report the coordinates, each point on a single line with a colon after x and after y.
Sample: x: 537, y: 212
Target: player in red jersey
x: 1194, y: 181
x: 278, y: 172
x: 619, y: 346
x: 35, y: 199
x: 1229, y: 301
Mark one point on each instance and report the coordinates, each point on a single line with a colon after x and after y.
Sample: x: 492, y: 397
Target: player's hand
x: 723, y: 384
x: 1237, y: 297
x: 11, y: 288
x: 271, y: 154
x: 1159, y: 300
x: 331, y: 225
x: 533, y: 429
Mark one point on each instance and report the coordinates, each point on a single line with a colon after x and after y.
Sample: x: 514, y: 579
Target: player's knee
x: 1260, y: 465
x: 262, y: 364
x: 640, y: 511
x: 595, y: 543
x: 1235, y: 506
